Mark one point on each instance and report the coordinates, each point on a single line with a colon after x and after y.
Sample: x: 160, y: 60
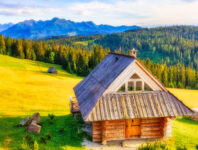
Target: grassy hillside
x: 188, y: 97
x: 25, y: 88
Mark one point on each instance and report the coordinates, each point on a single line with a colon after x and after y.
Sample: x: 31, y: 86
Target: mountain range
x: 31, y: 29
x: 5, y: 26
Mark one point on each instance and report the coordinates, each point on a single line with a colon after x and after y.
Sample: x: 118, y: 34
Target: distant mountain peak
x: 32, y: 29
x: 5, y: 26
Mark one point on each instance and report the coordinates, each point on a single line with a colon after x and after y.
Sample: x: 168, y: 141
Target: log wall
x: 152, y: 128
x: 97, y: 131
x: 167, y: 129
x: 103, y: 131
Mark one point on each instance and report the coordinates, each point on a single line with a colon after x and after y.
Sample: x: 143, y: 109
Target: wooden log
x: 150, y: 121
x: 151, y: 133
x: 96, y: 128
x: 150, y: 136
x: 97, y: 132
x: 150, y: 125
x: 104, y: 139
x: 150, y: 129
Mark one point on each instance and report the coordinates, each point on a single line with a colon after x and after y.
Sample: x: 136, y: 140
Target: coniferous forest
x: 81, y: 60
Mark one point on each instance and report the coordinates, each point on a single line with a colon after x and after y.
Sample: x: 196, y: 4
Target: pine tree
x: 19, y: 49
x: 2, y: 45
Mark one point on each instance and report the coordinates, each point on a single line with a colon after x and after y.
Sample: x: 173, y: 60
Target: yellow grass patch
x: 26, y: 87
x: 188, y: 97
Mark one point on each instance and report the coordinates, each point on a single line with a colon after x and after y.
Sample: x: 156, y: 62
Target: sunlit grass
x: 188, y: 97
x: 185, y: 132
x: 26, y: 87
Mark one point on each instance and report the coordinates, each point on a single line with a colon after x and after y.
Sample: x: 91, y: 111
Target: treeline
x: 176, y: 76
x: 80, y: 61
x: 163, y: 45
x: 73, y: 59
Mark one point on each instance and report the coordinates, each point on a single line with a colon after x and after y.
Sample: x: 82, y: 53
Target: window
x: 139, y: 86
x: 131, y: 86
x: 135, y: 83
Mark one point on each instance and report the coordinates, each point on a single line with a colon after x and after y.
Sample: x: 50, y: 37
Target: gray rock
x: 34, y: 128
x: 36, y: 117
x: 25, y: 122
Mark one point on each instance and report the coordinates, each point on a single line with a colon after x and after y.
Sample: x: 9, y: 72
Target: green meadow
x: 26, y: 88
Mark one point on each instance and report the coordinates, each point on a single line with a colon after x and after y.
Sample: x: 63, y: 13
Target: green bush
x: 36, y: 146
x: 196, y: 146
x: 181, y: 148
x: 157, y: 145
x: 51, y: 116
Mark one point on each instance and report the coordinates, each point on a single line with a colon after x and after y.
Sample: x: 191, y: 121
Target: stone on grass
x: 34, y: 128
x: 36, y: 117
x: 25, y: 122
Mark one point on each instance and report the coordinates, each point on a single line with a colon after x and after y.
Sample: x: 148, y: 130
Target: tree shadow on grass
x: 187, y: 120
x: 62, y: 132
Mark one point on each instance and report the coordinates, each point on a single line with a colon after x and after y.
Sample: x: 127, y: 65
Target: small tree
x: 51, y: 57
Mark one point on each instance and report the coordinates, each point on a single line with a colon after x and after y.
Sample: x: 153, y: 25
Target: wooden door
x: 132, y: 128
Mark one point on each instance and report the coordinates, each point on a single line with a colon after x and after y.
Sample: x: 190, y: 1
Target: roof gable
x: 89, y: 90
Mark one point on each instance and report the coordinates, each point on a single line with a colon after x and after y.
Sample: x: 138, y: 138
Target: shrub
x: 181, y: 148
x: 36, y: 147
x: 43, y: 140
x: 51, y: 116
x: 61, y: 130
x: 157, y: 145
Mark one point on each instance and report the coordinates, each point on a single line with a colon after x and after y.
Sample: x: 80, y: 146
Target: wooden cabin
x: 123, y: 100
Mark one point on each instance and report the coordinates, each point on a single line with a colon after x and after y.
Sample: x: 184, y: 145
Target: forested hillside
x: 81, y: 61
x: 162, y: 45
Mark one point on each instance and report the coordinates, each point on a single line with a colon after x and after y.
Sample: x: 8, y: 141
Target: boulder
x: 36, y: 117
x: 25, y: 122
x: 34, y: 128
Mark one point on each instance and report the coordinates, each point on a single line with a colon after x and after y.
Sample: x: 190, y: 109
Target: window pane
x: 130, y: 86
x: 138, y: 85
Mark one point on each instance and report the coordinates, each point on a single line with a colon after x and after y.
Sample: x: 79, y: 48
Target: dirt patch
x: 112, y: 145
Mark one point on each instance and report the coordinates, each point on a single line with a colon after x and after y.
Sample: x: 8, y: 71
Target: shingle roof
x: 138, y: 105
x: 89, y: 90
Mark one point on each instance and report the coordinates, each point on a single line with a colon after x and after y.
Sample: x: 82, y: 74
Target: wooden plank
x: 151, y: 136
x: 104, y: 136
x: 151, y: 133
x: 143, y: 121
x: 142, y: 105
x: 145, y: 129
x: 116, y: 116
x: 140, y: 111
x: 96, y: 128
x: 150, y: 125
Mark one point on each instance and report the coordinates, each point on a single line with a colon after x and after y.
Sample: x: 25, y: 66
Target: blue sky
x: 113, y: 12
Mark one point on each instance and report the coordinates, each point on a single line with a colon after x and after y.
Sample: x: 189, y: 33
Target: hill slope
x: 32, y: 29
x: 25, y: 88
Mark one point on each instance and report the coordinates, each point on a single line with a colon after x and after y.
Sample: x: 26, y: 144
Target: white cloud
x: 114, y: 12
x: 141, y: 12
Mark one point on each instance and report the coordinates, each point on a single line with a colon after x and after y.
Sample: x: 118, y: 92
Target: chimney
x: 133, y: 52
